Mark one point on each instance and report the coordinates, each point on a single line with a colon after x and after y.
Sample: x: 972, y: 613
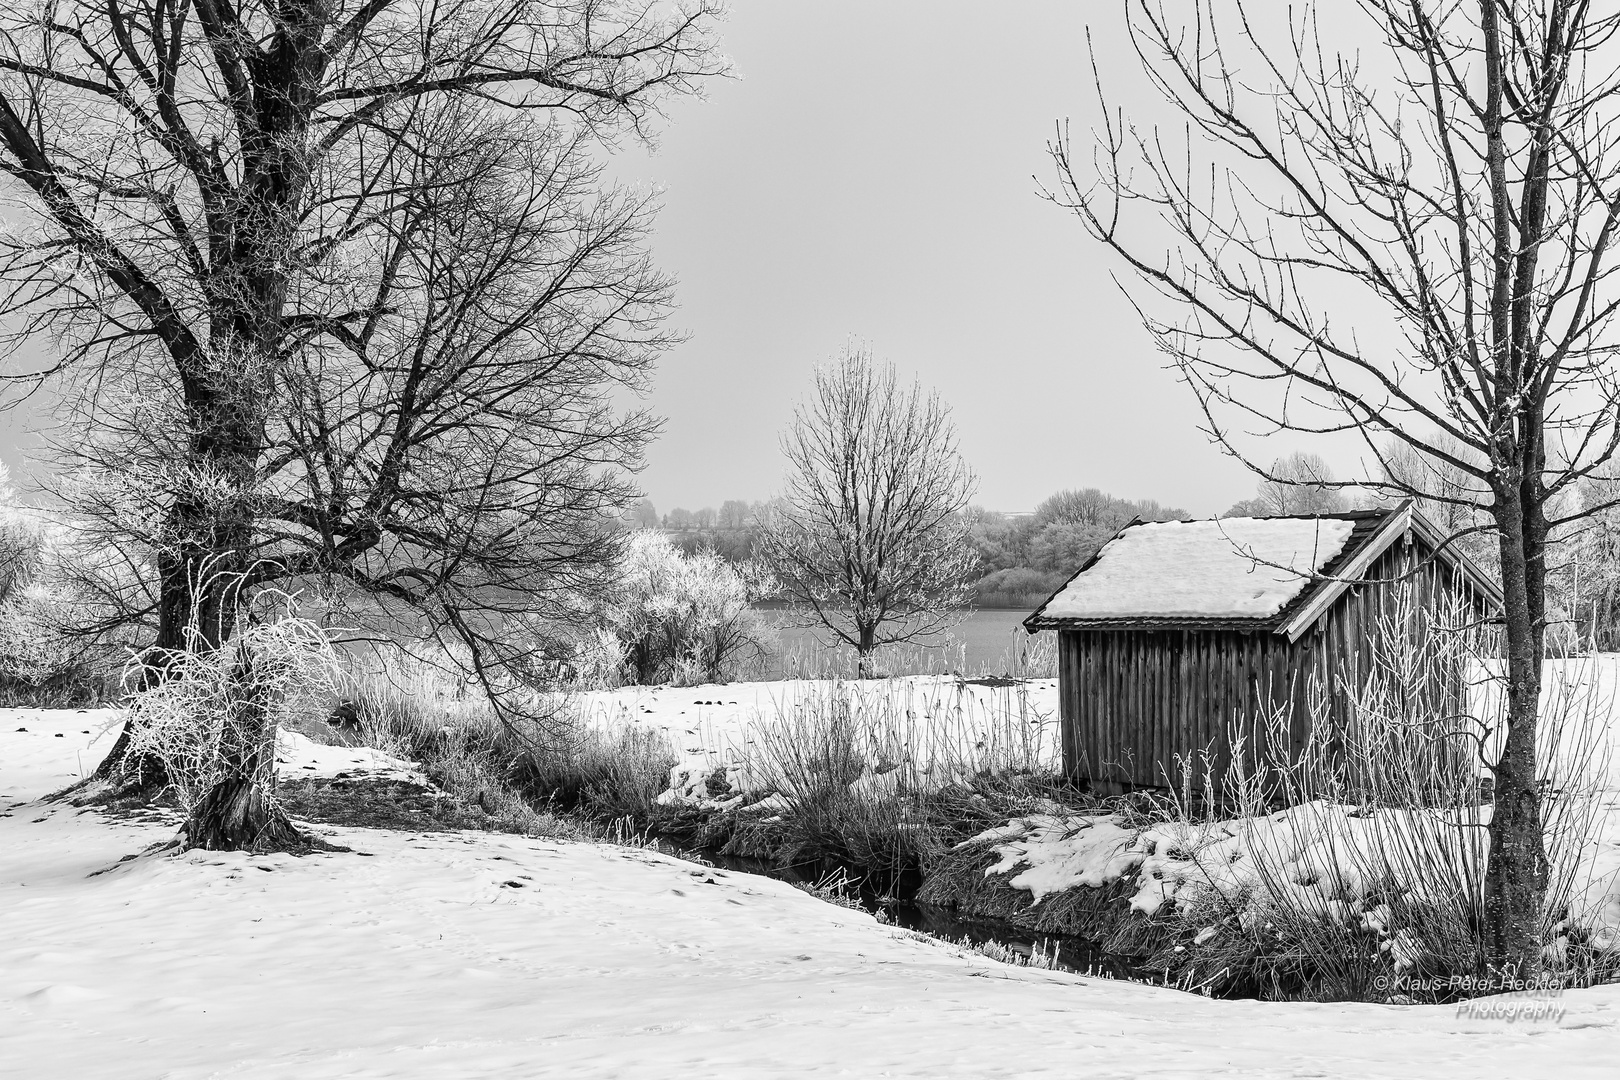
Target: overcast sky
x: 872, y: 172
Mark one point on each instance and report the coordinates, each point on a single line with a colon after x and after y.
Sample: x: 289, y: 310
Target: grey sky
x: 871, y: 172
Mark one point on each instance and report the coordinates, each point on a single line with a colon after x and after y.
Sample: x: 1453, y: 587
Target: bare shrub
x: 405, y: 705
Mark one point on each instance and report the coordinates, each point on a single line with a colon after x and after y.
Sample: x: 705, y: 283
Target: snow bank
x: 1202, y: 569
x: 1332, y: 859
x: 300, y: 758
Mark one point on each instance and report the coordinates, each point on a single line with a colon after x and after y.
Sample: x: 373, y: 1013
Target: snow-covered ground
x: 472, y: 955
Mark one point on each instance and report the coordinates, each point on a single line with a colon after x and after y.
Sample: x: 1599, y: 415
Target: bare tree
x: 870, y: 539
x: 311, y: 338
x: 1447, y: 495
x: 1300, y: 483
x: 1415, y: 250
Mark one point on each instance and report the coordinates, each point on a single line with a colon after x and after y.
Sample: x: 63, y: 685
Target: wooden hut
x: 1177, y: 634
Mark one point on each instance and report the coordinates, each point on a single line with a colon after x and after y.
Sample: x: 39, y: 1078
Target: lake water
x: 981, y: 644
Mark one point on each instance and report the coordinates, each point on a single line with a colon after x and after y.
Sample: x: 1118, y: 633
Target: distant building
x: 1177, y: 633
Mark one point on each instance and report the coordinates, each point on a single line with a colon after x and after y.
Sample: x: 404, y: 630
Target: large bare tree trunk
x: 864, y: 650
x: 1516, y: 871
x: 240, y: 813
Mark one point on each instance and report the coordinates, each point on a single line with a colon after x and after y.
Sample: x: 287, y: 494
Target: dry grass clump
x: 606, y: 776
x: 888, y: 777
x: 521, y: 772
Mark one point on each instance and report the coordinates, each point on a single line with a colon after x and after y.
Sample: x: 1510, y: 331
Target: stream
x: 896, y: 908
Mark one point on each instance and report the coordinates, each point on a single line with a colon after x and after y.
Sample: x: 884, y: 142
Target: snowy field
x: 938, y: 726
x: 464, y: 955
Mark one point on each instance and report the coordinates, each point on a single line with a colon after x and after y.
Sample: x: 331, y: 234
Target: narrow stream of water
x: 896, y: 907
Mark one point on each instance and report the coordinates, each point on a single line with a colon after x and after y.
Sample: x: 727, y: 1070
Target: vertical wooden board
x: 1127, y: 730
x: 1096, y: 672
x: 1211, y: 706
x: 1088, y: 705
x: 1228, y: 662
x: 1243, y: 689
x: 1085, y: 731
x: 1080, y: 672
x: 1106, y: 708
x: 1102, y: 686
x: 1197, y: 696
x: 1144, y: 694
x: 1183, y: 690
x: 1141, y: 732
x: 1165, y: 657
x: 1077, y: 702
x: 1212, y: 703
x: 1148, y: 721
x: 1139, y: 719
x: 1118, y: 714
x: 1067, y: 716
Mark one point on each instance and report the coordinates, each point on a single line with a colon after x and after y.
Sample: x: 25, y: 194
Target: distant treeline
x: 1025, y: 557
x: 1022, y: 557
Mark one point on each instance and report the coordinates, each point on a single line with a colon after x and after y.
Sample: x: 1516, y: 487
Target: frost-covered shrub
x: 215, y: 714
x: 680, y: 618
x: 45, y: 659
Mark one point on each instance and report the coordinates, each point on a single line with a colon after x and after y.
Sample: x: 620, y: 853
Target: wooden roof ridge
x: 1334, y: 581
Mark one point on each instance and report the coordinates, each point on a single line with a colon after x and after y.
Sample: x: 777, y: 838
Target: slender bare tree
x: 1411, y: 244
x: 335, y: 300
x: 1300, y: 483
x: 870, y: 539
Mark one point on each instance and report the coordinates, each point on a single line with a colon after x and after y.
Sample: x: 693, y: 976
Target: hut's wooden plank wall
x: 1136, y: 703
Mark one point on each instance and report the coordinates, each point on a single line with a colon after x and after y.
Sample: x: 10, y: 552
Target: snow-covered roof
x: 1232, y: 568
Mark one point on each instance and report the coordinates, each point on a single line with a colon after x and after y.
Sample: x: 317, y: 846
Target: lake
x: 980, y: 644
